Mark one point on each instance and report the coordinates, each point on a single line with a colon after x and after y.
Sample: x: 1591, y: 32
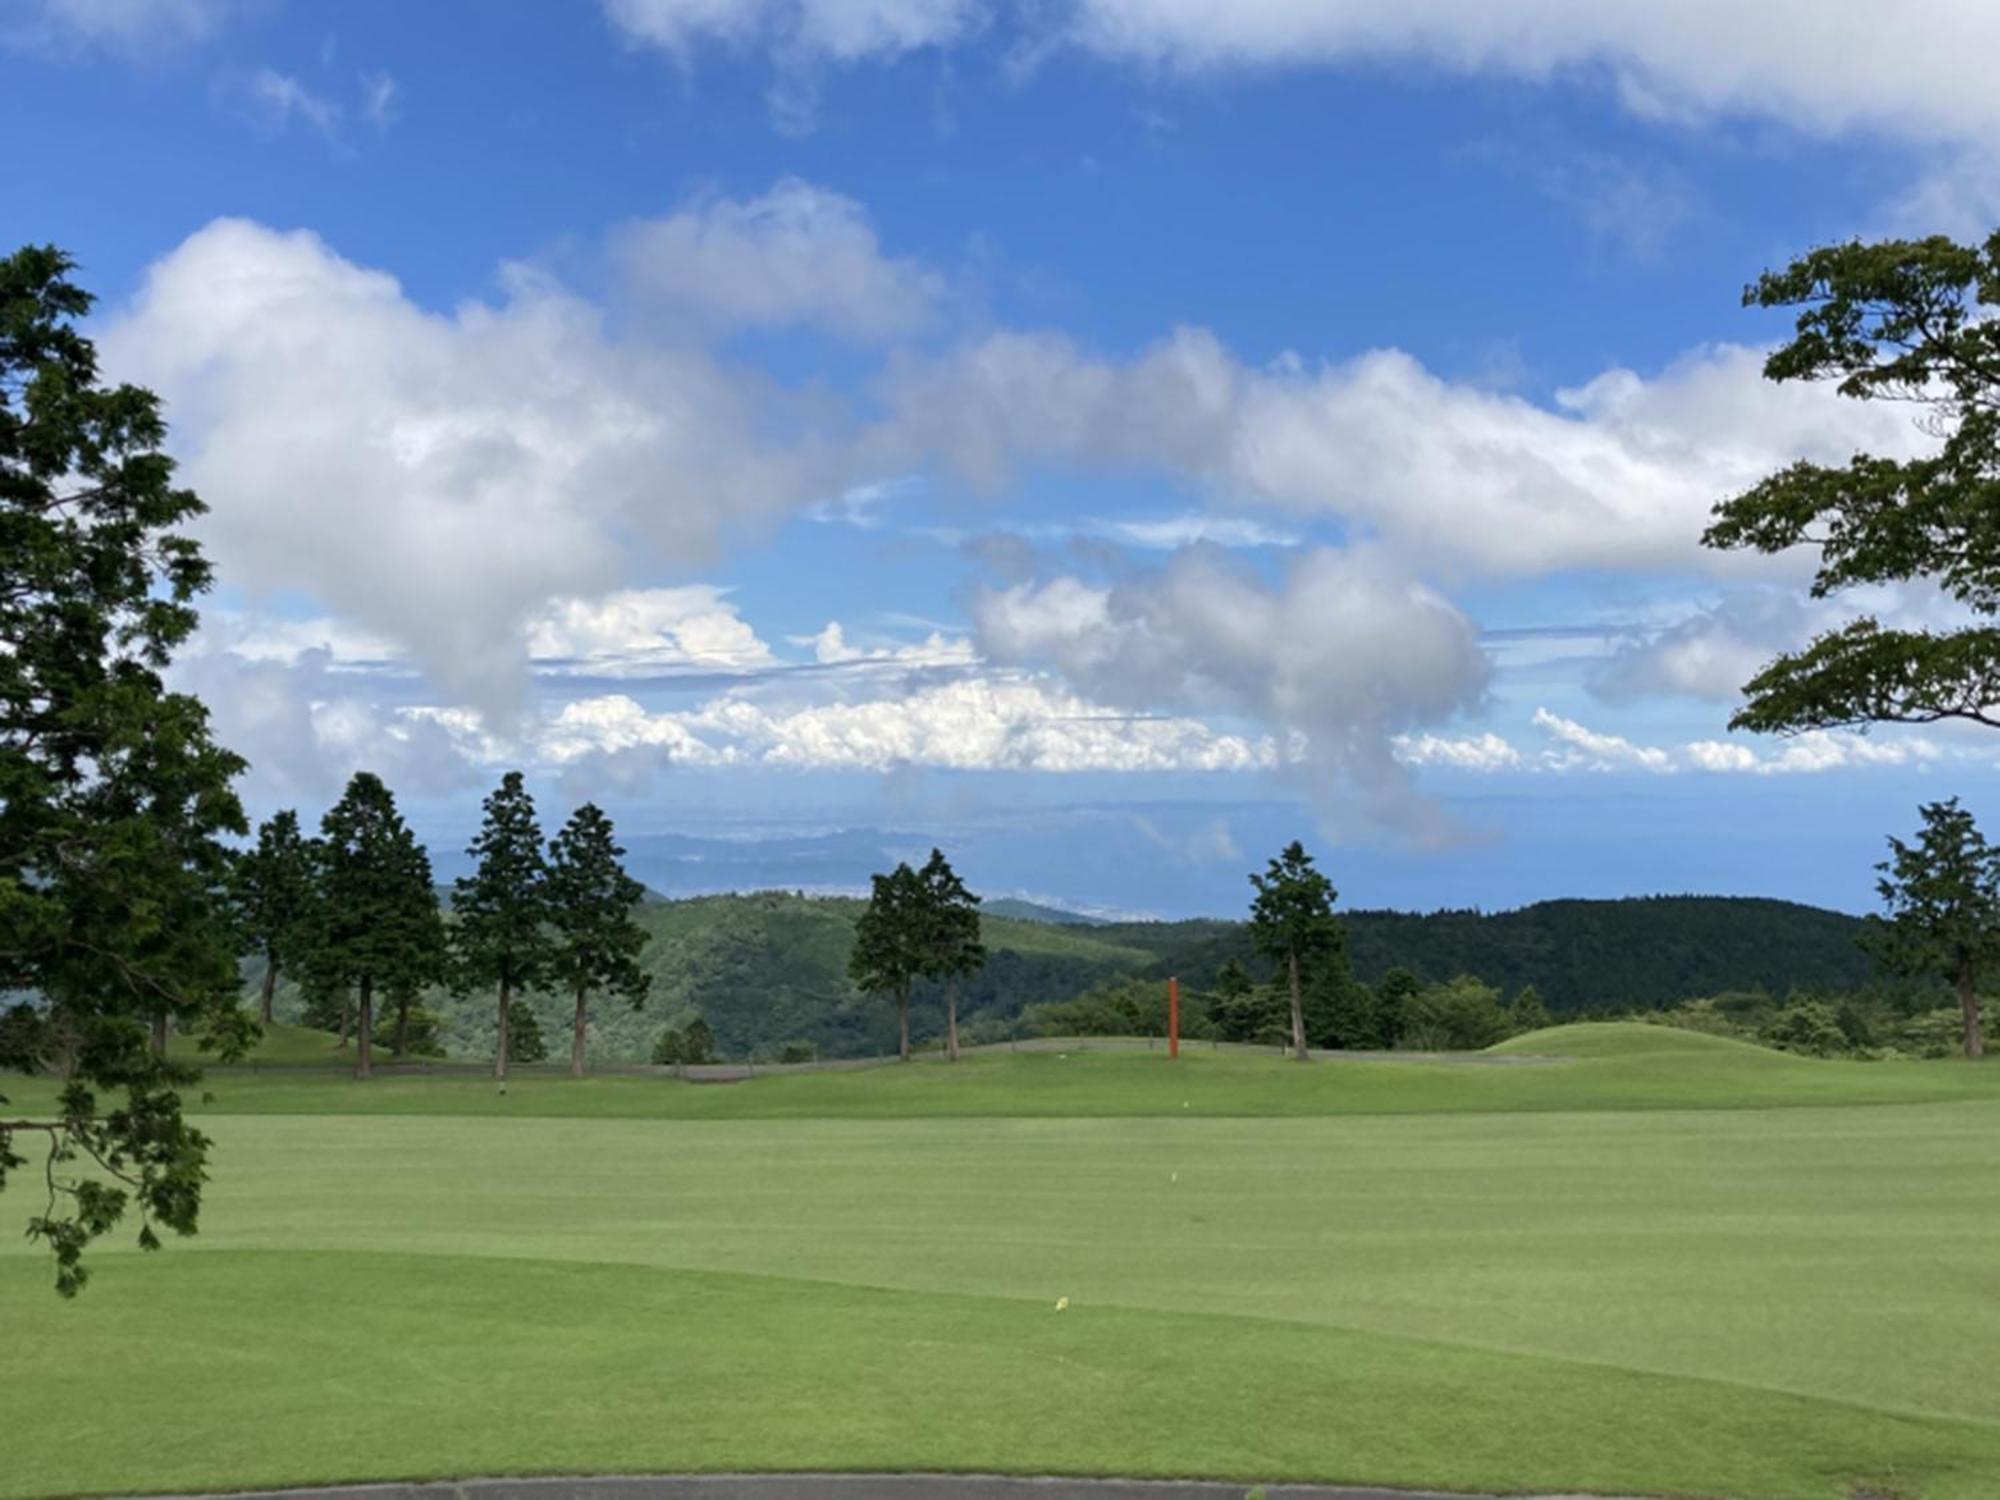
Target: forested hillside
x: 1581, y: 955
x: 771, y: 968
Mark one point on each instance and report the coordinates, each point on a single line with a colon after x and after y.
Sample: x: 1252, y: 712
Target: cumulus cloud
x: 1333, y: 662
x: 437, y: 479
x: 1591, y: 750
x: 646, y: 630
x: 970, y: 724
x: 1818, y: 66
x: 799, y: 255
x: 1621, y: 474
x: 1479, y: 752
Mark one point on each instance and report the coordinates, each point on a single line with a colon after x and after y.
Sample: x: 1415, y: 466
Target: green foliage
x: 693, y: 1043
x: 420, y: 1034
x: 1460, y: 1015
x: 1942, y: 896
x: 1525, y: 1012
x: 501, y: 939
x: 375, y: 929
x: 591, y: 901
x: 1292, y: 921
x: 113, y: 796
x: 951, y: 935
x: 892, y: 943
x: 525, y: 1042
x: 1808, y: 1026
x: 1903, y: 320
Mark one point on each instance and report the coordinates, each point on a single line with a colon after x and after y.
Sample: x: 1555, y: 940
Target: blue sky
x: 1106, y: 437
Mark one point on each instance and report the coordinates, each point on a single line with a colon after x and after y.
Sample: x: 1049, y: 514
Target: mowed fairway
x: 1592, y: 1274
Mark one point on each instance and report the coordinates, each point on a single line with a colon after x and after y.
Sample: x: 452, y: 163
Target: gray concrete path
x: 846, y: 1487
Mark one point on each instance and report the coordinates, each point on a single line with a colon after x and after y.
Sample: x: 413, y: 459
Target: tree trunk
x: 402, y: 1024
x: 1298, y: 1011
x: 364, y: 1059
x: 951, y: 1019
x: 500, y: 1050
x: 270, y: 987
x: 1968, y: 1005
x: 903, y: 1022
x: 576, y: 1036
x: 160, y: 1034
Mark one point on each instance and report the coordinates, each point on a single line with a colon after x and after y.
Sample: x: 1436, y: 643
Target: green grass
x: 1600, y: 1273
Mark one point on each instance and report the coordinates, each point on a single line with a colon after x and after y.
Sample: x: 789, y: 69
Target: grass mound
x: 1629, y: 1039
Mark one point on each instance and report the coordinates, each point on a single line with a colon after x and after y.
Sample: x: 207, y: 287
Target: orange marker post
x: 1173, y: 1018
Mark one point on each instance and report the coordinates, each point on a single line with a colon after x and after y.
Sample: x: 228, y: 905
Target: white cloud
x: 647, y: 630
x: 971, y: 724
x: 1171, y: 533
x: 797, y: 256
x: 1334, y: 662
x: 1621, y: 475
x: 437, y: 479
x: 121, y: 25
x: 280, y: 98
x: 1825, y: 66
x: 831, y: 647
x: 1588, y: 749
x: 1480, y: 752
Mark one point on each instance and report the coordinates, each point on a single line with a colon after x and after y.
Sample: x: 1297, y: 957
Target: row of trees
x: 353, y: 916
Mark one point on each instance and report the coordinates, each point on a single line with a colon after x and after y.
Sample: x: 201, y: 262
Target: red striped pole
x: 1173, y: 1018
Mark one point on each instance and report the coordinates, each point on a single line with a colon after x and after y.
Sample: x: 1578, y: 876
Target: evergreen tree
x: 502, y: 937
x: 591, y: 901
x: 952, y: 948
x: 1526, y: 1012
x: 891, y: 944
x: 1943, y: 901
x: 113, y: 795
x: 1292, y: 920
x: 1393, y: 996
x: 377, y: 929
x: 271, y: 891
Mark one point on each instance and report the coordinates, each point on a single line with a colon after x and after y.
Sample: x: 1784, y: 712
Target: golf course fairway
x: 1638, y: 1262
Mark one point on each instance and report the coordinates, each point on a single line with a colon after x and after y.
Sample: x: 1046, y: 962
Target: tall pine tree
x: 502, y: 937
x: 271, y: 890
x: 377, y: 930
x: 591, y: 900
x: 1292, y: 920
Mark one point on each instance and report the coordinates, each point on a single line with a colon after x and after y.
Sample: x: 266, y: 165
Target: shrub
x: 693, y: 1043
x: 797, y: 1052
x: 1806, y: 1026
x: 1461, y: 1015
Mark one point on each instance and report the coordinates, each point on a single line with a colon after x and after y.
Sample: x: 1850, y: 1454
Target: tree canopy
x: 1902, y: 320
x: 952, y: 948
x: 271, y: 890
x: 113, y: 794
